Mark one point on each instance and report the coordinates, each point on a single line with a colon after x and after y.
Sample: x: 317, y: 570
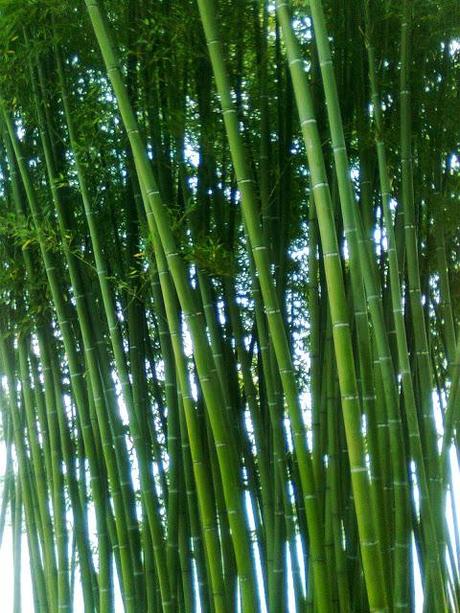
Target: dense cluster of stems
x: 229, y: 305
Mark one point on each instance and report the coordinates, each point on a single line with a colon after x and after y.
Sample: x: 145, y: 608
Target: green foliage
x: 212, y: 257
x: 268, y: 319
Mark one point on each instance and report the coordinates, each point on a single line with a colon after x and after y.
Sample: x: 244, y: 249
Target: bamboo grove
x: 229, y: 305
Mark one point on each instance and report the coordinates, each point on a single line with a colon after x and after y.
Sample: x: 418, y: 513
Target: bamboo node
x: 341, y: 324
x: 319, y: 185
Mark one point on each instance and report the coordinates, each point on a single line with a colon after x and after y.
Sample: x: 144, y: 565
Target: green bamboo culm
x: 229, y: 306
